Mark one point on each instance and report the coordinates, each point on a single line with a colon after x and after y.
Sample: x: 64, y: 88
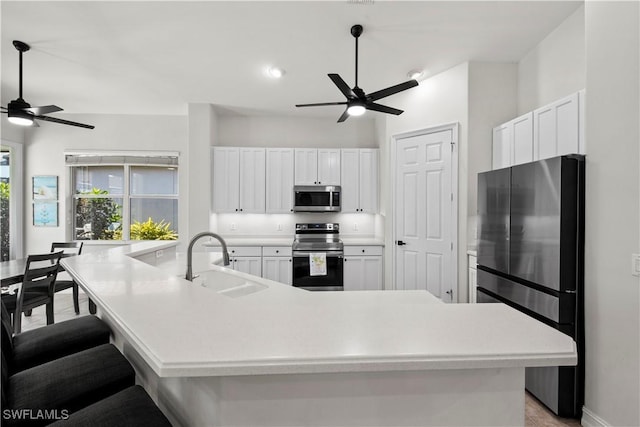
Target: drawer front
x: 244, y: 250
x: 363, y: 250
x: 276, y: 251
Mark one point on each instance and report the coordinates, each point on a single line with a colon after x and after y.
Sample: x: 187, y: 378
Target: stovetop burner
x: 317, y: 237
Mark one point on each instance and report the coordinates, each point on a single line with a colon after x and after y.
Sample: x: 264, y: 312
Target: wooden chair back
x: 40, y: 273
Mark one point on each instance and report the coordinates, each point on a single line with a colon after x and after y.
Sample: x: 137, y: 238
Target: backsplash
x: 283, y: 225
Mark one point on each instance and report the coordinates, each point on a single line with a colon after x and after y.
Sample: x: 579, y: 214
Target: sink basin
x: 227, y: 284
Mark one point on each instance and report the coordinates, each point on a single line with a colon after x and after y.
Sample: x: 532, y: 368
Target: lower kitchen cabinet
x: 277, y: 264
x: 246, y: 259
x: 363, y: 268
x: 473, y: 278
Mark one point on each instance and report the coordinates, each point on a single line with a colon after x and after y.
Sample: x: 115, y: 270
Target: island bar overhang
x: 285, y: 356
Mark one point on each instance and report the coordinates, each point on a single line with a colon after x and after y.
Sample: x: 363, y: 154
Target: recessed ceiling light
x: 275, y: 72
x: 416, y: 74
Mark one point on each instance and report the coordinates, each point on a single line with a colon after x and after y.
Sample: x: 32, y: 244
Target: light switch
x: 635, y: 264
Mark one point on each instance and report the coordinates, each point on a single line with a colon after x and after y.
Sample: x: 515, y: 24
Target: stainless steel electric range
x: 318, y: 257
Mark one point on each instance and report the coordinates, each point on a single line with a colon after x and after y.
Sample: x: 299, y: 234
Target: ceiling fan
x: 357, y: 100
x: 22, y: 113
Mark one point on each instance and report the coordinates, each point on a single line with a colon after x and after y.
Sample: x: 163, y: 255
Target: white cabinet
x: 501, y: 149
x: 226, y: 179
x: 553, y: 130
x: 473, y: 278
x: 359, y: 178
x: 317, y: 166
x: 513, y: 142
x: 363, y: 268
x: 279, y: 180
x: 277, y: 264
x: 557, y: 128
x: 238, y: 179
x: 247, y: 259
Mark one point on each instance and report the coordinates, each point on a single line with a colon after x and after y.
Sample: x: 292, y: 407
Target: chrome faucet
x: 225, y: 253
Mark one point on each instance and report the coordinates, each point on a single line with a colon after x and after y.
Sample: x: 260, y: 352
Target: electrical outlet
x: 279, y: 227
x: 355, y: 226
x: 635, y: 264
x: 233, y: 226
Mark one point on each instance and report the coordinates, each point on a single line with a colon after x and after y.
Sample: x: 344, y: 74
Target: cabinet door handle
x: 363, y: 251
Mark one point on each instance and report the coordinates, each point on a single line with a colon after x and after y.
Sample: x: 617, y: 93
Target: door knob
x: 400, y: 243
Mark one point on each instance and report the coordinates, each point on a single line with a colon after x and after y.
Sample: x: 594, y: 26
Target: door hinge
x: 452, y: 145
x: 451, y: 245
x: 452, y: 197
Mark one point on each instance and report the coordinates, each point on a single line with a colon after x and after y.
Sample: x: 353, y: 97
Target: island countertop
x: 185, y: 329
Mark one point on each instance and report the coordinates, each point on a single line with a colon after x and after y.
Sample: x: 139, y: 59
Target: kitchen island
x: 241, y: 350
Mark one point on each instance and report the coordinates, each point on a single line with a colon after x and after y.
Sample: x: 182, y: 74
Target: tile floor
x: 536, y: 414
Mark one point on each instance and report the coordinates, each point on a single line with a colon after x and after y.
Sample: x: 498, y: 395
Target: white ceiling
x: 156, y: 57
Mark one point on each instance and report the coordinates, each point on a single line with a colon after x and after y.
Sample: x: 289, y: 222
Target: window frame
x: 127, y: 195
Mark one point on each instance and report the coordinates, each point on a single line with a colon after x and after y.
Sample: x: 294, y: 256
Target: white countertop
x: 287, y: 241
x: 185, y: 329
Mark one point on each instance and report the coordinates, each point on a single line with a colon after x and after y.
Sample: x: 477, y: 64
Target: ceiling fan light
x: 356, y: 110
x: 20, y: 118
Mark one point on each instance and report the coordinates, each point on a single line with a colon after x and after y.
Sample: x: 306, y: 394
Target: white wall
x: 492, y: 101
x: 294, y: 131
x: 555, y: 68
x: 9, y: 132
x: 612, y: 296
x: 438, y: 100
x: 44, y: 155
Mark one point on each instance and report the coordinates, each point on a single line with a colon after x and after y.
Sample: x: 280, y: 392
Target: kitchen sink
x: 227, y: 284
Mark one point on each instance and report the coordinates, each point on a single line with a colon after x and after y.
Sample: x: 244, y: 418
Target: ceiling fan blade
x: 383, y: 108
x: 63, y: 122
x: 344, y: 87
x: 321, y: 104
x: 45, y: 109
x: 392, y: 90
x: 343, y: 117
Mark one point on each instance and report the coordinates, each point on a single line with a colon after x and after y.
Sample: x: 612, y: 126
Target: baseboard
x: 589, y: 419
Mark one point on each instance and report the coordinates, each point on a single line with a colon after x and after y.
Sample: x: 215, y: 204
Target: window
x: 124, y: 197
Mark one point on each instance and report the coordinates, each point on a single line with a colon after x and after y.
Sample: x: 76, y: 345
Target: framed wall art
x: 44, y: 196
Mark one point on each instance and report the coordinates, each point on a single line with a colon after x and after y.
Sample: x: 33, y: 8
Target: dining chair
x: 68, y: 249
x: 37, y: 288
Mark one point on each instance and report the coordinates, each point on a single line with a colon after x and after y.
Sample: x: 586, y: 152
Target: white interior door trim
x: 454, y: 128
x: 16, y: 202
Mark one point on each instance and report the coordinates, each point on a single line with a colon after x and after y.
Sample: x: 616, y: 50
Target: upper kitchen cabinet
x: 513, y: 142
x: 279, y: 180
x: 317, y: 166
x: 557, y: 128
x: 359, y: 180
x: 553, y: 130
x: 238, y: 179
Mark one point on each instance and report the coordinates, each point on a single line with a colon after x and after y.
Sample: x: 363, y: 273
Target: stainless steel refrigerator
x: 531, y: 257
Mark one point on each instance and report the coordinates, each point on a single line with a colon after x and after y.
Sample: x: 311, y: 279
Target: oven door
x: 332, y: 281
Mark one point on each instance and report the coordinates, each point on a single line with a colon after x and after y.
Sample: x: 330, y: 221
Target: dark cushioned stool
x: 130, y: 408
x: 51, y: 342
x: 69, y: 383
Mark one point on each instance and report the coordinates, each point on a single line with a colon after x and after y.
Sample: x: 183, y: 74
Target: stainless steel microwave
x: 316, y: 198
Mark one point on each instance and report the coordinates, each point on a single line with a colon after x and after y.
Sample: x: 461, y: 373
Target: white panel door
x: 523, y: 139
x: 306, y: 166
x: 350, y: 165
x: 424, y: 215
x: 279, y: 269
x: 502, y: 142
x: 249, y: 264
x: 329, y: 166
x: 279, y: 197
x: 226, y: 179
x: 368, y: 180
x: 252, y: 182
